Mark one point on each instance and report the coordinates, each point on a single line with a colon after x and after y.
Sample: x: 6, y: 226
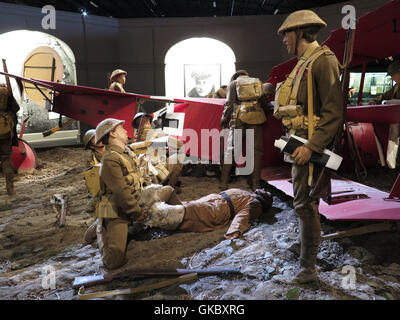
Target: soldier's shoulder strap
x: 125, y: 161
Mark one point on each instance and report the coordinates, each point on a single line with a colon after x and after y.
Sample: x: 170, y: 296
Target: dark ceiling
x: 178, y: 8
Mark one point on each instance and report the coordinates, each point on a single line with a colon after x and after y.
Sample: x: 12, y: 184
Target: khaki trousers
x: 114, y: 234
x: 307, y: 211
x: 258, y: 153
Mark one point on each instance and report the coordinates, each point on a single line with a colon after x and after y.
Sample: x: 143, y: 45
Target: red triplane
x: 368, y: 125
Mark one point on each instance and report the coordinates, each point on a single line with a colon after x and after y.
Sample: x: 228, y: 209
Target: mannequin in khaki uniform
x: 207, y: 213
x: 300, y: 30
x: 394, y: 93
x: 118, y: 80
x: 112, y: 233
x: 227, y: 119
x: 9, y: 107
x: 94, y: 159
x: 143, y: 120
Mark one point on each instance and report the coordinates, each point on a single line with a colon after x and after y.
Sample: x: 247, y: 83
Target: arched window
x: 39, y: 55
x: 197, y: 67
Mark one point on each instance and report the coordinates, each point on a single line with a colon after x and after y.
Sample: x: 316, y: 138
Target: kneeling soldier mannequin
x: 121, y: 179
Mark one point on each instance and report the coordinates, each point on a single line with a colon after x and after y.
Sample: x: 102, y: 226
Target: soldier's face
x: 289, y: 40
x: 396, y: 77
x: 122, y: 79
x: 121, y: 134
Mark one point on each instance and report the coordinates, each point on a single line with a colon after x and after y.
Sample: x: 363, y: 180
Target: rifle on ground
x: 166, y: 283
x: 322, y: 188
x: 90, y: 281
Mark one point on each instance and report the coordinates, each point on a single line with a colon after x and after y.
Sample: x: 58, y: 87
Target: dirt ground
x: 34, y: 249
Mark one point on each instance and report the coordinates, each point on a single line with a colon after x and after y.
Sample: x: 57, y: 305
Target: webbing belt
x: 230, y: 204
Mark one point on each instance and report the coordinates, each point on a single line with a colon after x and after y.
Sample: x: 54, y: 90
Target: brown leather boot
x: 310, y: 232
x: 255, y: 176
x: 225, y: 173
x: 10, y: 185
x: 90, y: 233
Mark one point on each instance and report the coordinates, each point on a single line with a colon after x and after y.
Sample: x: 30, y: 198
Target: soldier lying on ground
x: 211, y: 212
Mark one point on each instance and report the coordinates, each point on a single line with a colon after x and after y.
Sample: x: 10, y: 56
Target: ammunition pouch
x: 162, y: 172
x: 293, y: 118
x: 92, y: 179
x: 250, y: 112
x: 106, y: 208
x: 7, y: 123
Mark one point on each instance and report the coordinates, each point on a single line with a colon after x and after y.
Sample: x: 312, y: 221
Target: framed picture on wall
x: 201, y: 79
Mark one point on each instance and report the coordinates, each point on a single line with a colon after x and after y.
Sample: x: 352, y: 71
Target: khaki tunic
x: 212, y: 212
x: 328, y: 101
x: 93, y: 159
x: 115, y: 232
x: 9, y: 140
x: 392, y: 94
x: 328, y: 105
x: 112, y: 175
x: 117, y: 86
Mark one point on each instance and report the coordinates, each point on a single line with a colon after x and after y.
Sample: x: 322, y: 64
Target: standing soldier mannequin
x: 118, y: 80
x: 243, y: 111
x: 317, y: 119
x: 121, y: 181
x: 8, y: 135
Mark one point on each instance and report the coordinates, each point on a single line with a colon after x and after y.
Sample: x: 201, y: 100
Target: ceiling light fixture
x: 214, y: 4
x: 276, y: 11
x: 93, y: 4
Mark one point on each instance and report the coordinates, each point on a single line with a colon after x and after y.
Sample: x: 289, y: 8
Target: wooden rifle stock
x: 51, y: 131
x: 7, y: 78
x: 90, y: 281
x: 139, y: 129
x: 322, y: 188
